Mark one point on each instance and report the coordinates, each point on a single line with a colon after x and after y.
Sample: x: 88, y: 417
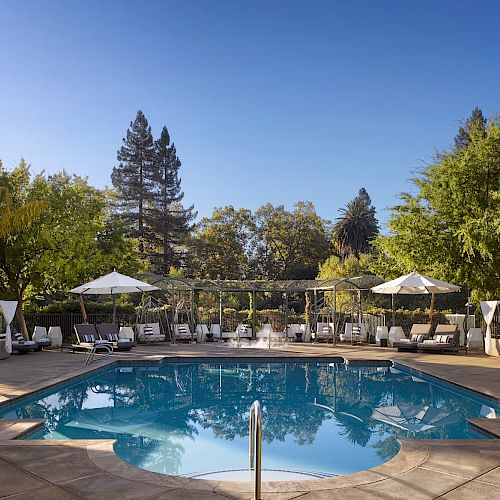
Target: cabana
x: 316, y: 290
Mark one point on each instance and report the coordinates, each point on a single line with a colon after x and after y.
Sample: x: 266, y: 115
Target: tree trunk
x: 21, y: 319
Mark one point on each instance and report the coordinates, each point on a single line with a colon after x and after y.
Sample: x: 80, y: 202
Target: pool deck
x: 90, y: 469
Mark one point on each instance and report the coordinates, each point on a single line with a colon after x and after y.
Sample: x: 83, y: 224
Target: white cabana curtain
x: 488, y: 308
x: 9, y: 311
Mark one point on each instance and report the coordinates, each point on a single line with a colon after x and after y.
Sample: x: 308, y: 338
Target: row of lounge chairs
x: 89, y: 336
x: 446, y: 339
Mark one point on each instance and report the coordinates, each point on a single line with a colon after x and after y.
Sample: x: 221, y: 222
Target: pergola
x: 174, y: 283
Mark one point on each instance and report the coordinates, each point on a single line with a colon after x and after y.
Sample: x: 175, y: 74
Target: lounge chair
x: 41, y: 338
x: 109, y: 332
x: 418, y: 333
x: 323, y: 331
x: 149, y: 332
x: 87, y: 338
x: 183, y: 333
x: 354, y: 332
x: 446, y: 339
x: 20, y: 345
x: 3, y: 349
x: 295, y: 332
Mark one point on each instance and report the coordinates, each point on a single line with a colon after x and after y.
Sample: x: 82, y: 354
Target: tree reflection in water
x: 155, y: 411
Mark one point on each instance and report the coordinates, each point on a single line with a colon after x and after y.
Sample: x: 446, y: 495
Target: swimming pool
x: 191, y: 418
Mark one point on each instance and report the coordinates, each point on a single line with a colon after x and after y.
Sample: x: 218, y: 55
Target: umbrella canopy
x: 113, y: 283
x: 415, y: 283
x: 414, y: 418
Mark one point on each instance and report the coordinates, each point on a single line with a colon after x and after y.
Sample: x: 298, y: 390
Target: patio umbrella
x: 8, y: 308
x: 414, y: 418
x: 112, y: 284
x: 414, y: 284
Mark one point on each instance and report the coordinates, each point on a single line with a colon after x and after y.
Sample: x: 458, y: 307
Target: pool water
x: 191, y: 418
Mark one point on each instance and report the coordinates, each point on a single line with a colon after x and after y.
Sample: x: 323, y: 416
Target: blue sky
x: 267, y: 101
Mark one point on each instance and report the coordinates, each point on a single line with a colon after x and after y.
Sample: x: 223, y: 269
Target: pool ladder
x: 92, y: 355
x: 255, y: 453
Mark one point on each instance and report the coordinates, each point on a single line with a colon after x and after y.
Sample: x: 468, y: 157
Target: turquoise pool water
x: 191, y: 418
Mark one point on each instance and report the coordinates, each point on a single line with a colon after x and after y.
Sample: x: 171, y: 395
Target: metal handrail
x: 93, y: 352
x: 256, y: 448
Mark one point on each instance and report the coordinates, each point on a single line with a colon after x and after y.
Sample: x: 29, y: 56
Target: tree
x: 474, y: 125
x: 168, y: 221
x: 356, y: 227
x: 450, y: 229
x: 132, y: 177
x: 218, y: 247
x: 70, y: 241
x: 289, y: 245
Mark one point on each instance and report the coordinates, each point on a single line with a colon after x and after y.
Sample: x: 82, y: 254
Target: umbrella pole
x: 82, y: 307
x: 114, y: 307
x: 431, y: 309
x: 393, y: 311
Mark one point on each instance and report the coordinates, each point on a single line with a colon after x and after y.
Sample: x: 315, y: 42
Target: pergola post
x: 192, y: 312
x: 220, y: 313
x: 315, y: 315
x: 334, y: 315
x: 254, y: 313
x: 286, y: 315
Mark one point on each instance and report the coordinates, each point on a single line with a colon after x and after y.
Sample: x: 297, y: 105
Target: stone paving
x: 90, y: 469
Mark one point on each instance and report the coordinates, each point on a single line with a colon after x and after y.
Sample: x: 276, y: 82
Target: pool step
x: 267, y: 475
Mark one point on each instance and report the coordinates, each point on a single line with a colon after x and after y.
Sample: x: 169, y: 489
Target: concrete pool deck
x: 90, y: 469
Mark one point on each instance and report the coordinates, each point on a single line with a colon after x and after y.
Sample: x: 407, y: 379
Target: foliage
x: 218, y: 247
x: 71, y: 241
x: 289, y: 245
x: 450, y: 229
x: 474, y: 125
x: 356, y: 227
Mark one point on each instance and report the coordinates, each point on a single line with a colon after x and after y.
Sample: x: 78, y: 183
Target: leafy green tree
x: 451, y: 229
x: 218, y: 247
x: 356, y: 227
x: 289, y: 245
x: 71, y: 241
x: 132, y: 177
x: 169, y: 222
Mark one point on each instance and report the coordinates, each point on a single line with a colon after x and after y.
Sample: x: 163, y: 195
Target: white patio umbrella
x: 414, y: 284
x: 9, y: 308
x: 112, y: 284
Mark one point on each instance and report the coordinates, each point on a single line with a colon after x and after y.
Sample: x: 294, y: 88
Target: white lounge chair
x: 127, y: 332
x: 183, y: 333
x: 324, y: 331
x: 149, y: 332
x: 354, y: 332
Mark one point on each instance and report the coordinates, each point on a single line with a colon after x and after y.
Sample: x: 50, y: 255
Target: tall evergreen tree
x: 132, y: 177
x: 475, y: 124
x: 168, y: 221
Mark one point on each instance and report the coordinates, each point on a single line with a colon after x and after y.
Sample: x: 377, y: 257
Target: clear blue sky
x: 274, y: 101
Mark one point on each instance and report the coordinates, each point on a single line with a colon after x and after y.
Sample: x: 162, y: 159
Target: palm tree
x: 356, y: 227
